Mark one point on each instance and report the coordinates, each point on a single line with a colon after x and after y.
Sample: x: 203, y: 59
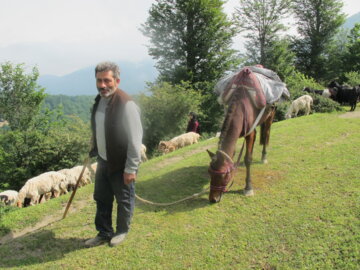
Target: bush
x: 24, y: 155
x: 325, y: 105
x: 281, y: 110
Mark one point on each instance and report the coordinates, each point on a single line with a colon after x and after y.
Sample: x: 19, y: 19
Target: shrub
x: 325, y: 105
x: 24, y: 155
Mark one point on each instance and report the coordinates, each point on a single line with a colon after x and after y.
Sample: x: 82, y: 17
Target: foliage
x: 20, y: 96
x: 317, y: 23
x: 334, y: 53
x: 26, y: 154
x: 165, y: 112
x: 324, y: 105
x: 261, y: 20
x: 191, y: 40
x: 38, y: 140
x: 280, y: 58
x: 352, y: 78
x: 71, y: 105
x: 296, y: 83
x: 351, y: 59
x: 212, y: 112
x: 281, y: 110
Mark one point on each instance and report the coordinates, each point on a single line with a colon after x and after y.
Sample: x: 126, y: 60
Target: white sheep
x: 44, y: 183
x: 9, y: 197
x: 72, y: 175
x: 302, y: 103
x: 179, y: 142
x: 143, y: 153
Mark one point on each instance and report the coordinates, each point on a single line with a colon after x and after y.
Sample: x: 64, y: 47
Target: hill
x: 82, y: 82
x: 350, y: 22
x: 71, y: 105
x: 304, y: 215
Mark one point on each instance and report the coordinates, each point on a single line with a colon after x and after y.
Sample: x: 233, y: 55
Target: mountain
x: 82, y: 82
x: 350, y: 22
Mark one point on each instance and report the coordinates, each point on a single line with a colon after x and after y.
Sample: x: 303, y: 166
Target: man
x: 116, y: 140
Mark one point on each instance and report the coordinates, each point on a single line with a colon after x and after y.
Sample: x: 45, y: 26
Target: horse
x: 242, y: 116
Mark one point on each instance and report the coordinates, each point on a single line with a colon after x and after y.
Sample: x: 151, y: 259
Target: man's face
x: 106, y: 83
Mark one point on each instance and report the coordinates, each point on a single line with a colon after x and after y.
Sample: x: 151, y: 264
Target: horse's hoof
x: 249, y: 192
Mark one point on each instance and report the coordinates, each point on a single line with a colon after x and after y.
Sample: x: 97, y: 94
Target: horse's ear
x: 211, y: 154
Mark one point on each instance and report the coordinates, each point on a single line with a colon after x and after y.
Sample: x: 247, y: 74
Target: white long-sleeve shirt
x: 131, y: 123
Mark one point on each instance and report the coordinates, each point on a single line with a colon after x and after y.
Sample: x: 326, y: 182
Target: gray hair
x: 108, y: 66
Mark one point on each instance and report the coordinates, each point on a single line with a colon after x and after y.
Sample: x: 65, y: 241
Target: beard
x: 106, y: 91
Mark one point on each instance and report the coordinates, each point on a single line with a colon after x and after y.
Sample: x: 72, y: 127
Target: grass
x: 304, y: 215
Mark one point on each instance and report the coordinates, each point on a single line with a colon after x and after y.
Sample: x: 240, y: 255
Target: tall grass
x: 304, y: 215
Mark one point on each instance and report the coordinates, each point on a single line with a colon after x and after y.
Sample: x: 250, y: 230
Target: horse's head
x: 221, y: 171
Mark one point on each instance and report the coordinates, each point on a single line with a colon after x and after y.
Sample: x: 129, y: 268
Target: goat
x: 302, y: 103
x: 344, y: 94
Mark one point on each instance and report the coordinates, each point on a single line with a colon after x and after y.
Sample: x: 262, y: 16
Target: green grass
x: 304, y: 215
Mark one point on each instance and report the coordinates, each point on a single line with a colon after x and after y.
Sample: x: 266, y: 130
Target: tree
x: 317, y: 23
x: 261, y: 21
x: 20, y: 96
x: 190, y: 39
x: 334, y: 54
x: 280, y: 58
x: 351, y: 59
x: 37, y: 141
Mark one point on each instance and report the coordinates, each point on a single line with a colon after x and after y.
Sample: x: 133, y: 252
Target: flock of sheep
x: 48, y: 185
x: 56, y: 183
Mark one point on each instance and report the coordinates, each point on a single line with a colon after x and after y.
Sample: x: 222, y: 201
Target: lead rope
x: 195, y: 195
x: 236, y: 165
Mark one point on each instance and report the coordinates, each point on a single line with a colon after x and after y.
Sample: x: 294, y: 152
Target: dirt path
x: 355, y: 114
x: 48, y: 220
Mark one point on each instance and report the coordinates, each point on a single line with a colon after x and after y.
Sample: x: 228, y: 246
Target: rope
x: 195, y: 195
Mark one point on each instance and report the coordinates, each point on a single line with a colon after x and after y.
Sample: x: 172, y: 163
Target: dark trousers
x: 108, y: 186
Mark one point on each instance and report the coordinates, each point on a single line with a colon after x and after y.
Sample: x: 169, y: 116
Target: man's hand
x: 129, y: 177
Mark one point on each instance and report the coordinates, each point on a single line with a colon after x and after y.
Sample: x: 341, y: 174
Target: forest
x: 191, y: 43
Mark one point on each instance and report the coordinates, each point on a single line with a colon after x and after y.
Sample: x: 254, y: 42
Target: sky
x: 62, y: 36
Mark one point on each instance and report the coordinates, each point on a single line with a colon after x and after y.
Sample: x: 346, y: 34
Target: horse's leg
x: 265, y: 135
x: 250, y: 141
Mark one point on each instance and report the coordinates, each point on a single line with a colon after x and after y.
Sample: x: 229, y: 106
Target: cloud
x: 61, y: 36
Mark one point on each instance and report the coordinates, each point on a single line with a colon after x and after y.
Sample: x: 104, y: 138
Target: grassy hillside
x: 304, y: 215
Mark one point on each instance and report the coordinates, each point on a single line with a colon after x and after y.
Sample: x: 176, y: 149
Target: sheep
x: 302, y: 103
x: 73, y: 174
x: 143, y: 153
x: 178, y: 142
x: 166, y: 147
x: 9, y: 197
x: 44, y: 183
x: 92, y: 167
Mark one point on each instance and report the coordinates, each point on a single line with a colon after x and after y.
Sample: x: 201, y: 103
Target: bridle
x: 227, y: 172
